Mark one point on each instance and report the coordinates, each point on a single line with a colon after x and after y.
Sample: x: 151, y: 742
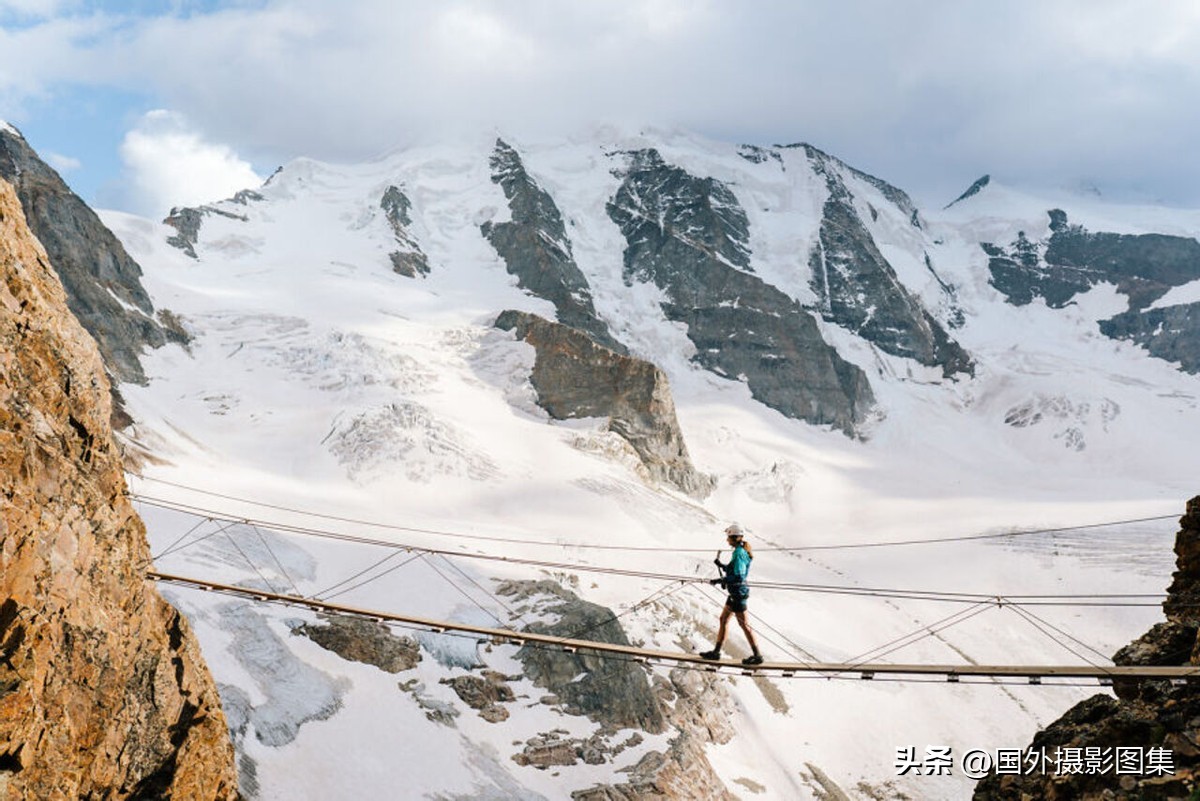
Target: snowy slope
x: 320, y: 380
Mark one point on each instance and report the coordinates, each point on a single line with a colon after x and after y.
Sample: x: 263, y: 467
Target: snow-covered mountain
x: 691, y: 332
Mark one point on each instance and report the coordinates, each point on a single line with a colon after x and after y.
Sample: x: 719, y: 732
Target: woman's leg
x: 724, y: 625
x: 741, y: 619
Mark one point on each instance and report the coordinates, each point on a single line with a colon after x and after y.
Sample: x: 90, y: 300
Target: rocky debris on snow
x: 689, y: 236
x: 436, y: 710
x: 556, y: 748
x: 859, y: 290
x: 1069, y: 418
x: 1144, y: 715
x: 407, y: 259
x: 484, y: 693
x: 103, y: 692
x: 367, y: 641
x: 682, y: 772
x: 611, y: 692
x: 574, y: 377
x: 536, y: 249
x: 616, y: 694
x: 103, y: 284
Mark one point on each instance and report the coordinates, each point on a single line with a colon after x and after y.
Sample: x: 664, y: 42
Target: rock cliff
x: 1071, y: 260
x: 103, y: 693
x: 536, y: 249
x: 1144, y: 715
x: 575, y: 377
x: 103, y: 284
x: 859, y: 290
x: 689, y: 236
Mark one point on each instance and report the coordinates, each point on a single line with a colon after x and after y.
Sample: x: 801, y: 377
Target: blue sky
x: 143, y: 105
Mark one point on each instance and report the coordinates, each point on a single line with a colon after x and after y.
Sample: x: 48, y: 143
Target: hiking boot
x: 753, y: 659
x: 714, y: 654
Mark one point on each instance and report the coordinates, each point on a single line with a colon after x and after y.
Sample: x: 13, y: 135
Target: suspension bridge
x: 864, y: 668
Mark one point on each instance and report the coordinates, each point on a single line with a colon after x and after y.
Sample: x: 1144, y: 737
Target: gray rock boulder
x: 575, y: 377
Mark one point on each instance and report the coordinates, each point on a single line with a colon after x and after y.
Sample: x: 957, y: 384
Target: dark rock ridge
x: 103, y: 692
x: 187, y: 220
x: 972, y: 190
x: 1144, y: 267
x: 1170, y: 332
x: 897, y: 196
x: 689, y: 236
x: 859, y: 290
x: 407, y: 259
x: 575, y: 377
x: 1145, y: 714
x: 103, y: 284
x: 536, y: 249
x: 1072, y: 260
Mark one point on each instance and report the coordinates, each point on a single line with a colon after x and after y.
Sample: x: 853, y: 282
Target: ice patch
x: 295, y: 692
x: 408, y: 436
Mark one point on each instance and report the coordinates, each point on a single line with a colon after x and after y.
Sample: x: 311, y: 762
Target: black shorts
x: 737, y: 602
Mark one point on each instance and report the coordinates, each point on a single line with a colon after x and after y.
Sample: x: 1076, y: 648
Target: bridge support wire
x: 953, y: 673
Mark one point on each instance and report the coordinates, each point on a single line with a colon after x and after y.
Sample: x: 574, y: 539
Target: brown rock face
x: 102, y: 690
x: 575, y: 377
x: 1146, y: 714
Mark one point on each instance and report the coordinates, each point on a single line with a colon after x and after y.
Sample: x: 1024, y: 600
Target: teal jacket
x: 737, y: 570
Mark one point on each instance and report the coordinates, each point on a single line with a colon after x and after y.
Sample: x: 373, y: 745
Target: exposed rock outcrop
x: 187, y: 220
x: 859, y: 290
x: 1144, y: 267
x: 575, y: 377
x: 1144, y: 715
x: 407, y: 259
x: 103, y: 693
x: 974, y: 189
x: 1171, y: 332
x: 616, y: 694
x: 359, y: 640
x: 690, y: 237
x: 103, y: 284
x: 611, y: 692
x: 536, y: 249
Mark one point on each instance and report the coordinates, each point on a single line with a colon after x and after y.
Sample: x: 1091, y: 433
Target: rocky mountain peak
x: 858, y: 289
x: 103, y: 284
x: 972, y: 190
x: 536, y: 249
x: 689, y: 236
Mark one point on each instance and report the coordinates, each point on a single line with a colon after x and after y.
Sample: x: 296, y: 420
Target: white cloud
x: 169, y: 164
x: 927, y: 95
